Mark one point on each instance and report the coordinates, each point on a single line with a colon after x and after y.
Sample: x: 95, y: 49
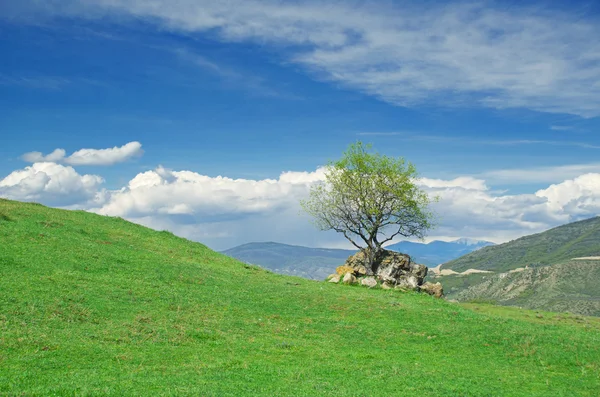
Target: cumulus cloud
x: 51, y: 183
x: 453, y: 54
x: 203, y: 198
x: 576, y: 198
x: 37, y: 157
x: 223, y: 212
x: 88, y: 156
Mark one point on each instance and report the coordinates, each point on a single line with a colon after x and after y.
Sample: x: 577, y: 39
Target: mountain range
x: 576, y: 239
x: 318, y: 263
x: 558, y: 270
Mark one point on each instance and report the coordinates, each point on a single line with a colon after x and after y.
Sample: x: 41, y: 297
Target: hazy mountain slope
x: 573, y: 286
x: 313, y: 263
x: 553, y: 246
x: 436, y: 252
x: 318, y: 263
x: 93, y: 305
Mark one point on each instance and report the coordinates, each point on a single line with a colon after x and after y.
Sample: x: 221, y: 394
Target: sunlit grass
x: 93, y: 305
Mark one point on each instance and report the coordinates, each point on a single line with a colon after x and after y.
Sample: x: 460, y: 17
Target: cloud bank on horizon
x: 223, y: 212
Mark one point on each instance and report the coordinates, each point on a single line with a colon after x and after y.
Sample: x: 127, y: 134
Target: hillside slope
x: 577, y: 239
x: 312, y: 263
x: 573, y: 286
x: 94, y: 305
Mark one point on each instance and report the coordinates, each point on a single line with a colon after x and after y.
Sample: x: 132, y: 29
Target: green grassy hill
x: 573, y: 286
x: 92, y: 305
x: 556, y: 245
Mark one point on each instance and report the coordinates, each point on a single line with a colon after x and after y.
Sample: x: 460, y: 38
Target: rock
x: 335, y: 279
x: 386, y: 285
x: 391, y: 265
x: 369, y: 282
x: 392, y: 269
x: 341, y: 270
x: 357, y: 262
x: 349, y: 279
x: 433, y: 289
x: 331, y: 276
x: 420, y: 271
x: 360, y: 269
x: 409, y: 283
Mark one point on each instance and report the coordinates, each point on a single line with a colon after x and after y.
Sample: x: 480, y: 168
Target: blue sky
x: 497, y: 103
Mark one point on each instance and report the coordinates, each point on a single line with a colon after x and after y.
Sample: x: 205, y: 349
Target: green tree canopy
x: 370, y: 198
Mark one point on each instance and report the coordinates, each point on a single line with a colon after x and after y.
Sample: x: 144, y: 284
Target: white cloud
x: 561, y: 127
x: 467, y: 183
x: 88, y: 156
x: 50, y: 183
x: 550, y: 174
x: 202, y: 197
x: 575, y: 198
x: 454, y: 54
x: 222, y: 212
x: 37, y: 157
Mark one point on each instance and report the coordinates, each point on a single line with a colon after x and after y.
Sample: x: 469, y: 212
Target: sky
x: 214, y: 119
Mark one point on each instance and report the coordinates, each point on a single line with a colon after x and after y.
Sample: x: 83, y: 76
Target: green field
x: 93, y: 305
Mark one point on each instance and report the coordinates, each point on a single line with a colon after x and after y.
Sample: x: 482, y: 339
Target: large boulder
x: 341, y: 270
x: 369, y: 282
x: 334, y: 279
x: 349, y: 278
x: 433, y: 289
x: 409, y: 282
x: 357, y: 262
x: 390, y: 268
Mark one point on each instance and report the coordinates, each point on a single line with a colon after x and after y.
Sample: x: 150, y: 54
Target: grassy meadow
x: 93, y: 305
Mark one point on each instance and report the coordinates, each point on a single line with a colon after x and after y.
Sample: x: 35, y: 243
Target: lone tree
x: 370, y: 198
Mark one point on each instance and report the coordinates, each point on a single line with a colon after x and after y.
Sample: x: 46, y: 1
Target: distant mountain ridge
x: 576, y: 239
x: 312, y: 263
x: 437, y: 252
x: 318, y: 263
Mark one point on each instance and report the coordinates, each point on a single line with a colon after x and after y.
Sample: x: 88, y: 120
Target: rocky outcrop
x: 369, y: 282
x: 334, y: 278
x: 390, y: 270
x: 349, y: 278
x: 341, y: 270
x: 433, y: 289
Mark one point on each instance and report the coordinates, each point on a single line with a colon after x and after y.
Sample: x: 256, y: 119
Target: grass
x: 93, y: 305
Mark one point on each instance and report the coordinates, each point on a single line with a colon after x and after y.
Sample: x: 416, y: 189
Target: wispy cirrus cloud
x: 88, y: 156
x: 451, y: 54
x: 549, y: 174
x: 231, y: 77
x: 39, y: 82
x: 561, y: 127
x: 50, y: 83
x: 464, y: 140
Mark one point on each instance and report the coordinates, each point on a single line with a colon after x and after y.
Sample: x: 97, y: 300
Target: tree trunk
x: 371, y: 255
